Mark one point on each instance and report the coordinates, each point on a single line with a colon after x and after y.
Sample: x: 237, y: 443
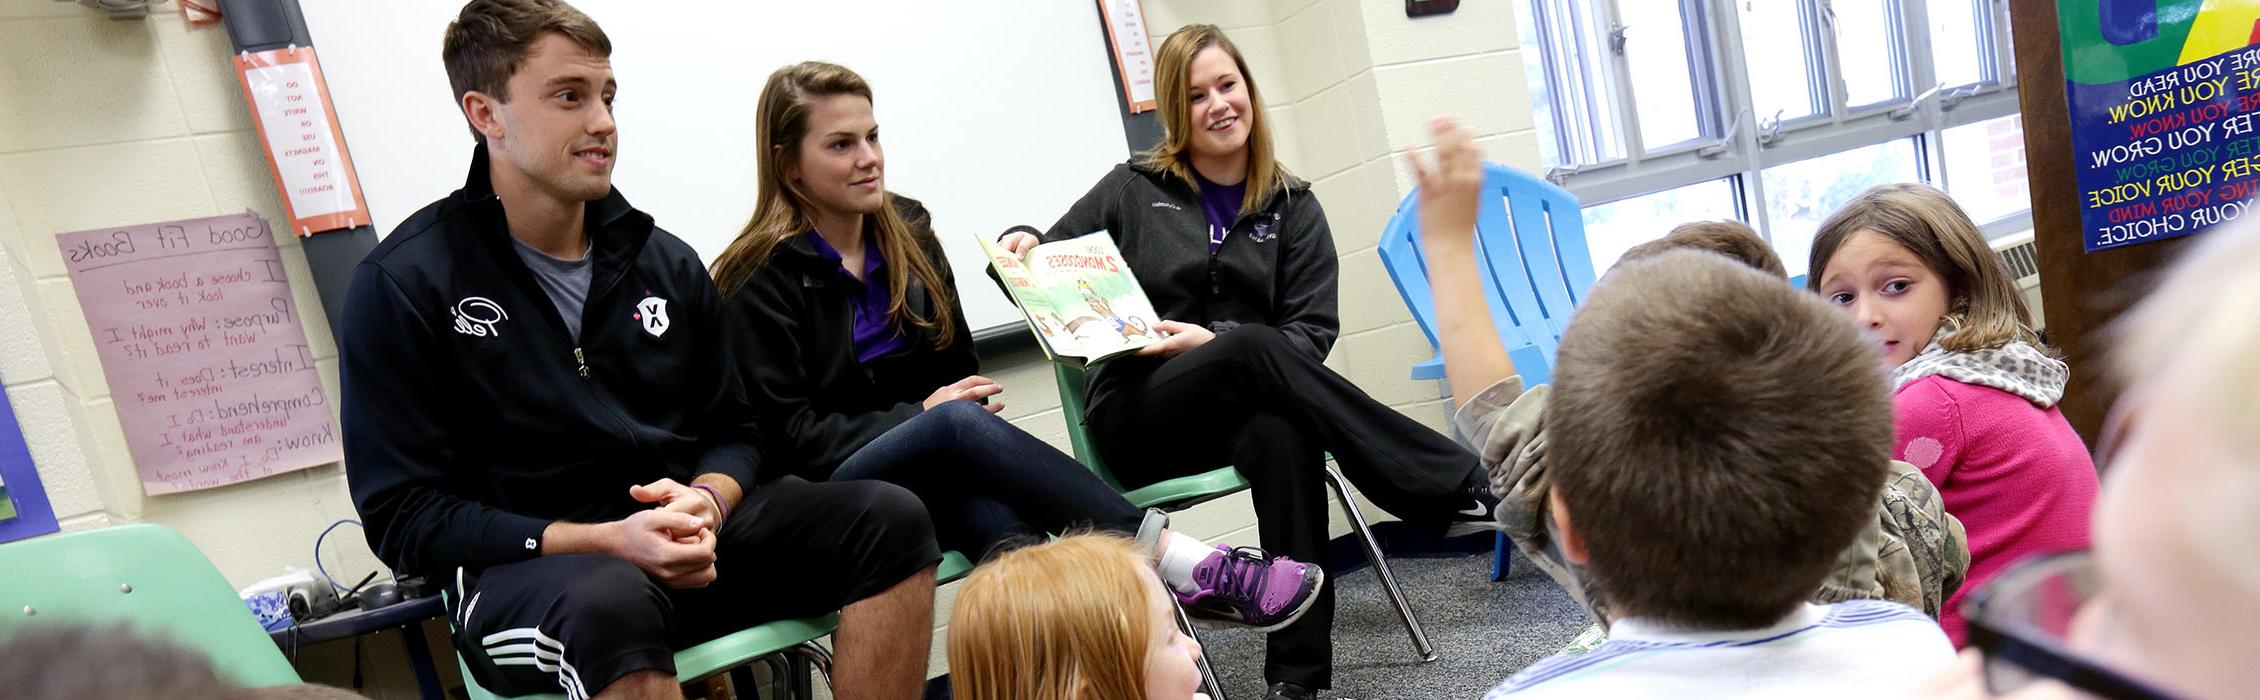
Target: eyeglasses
x: 2021, y: 622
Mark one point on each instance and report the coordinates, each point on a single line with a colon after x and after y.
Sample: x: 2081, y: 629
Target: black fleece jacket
x: 793, y: 334
x: 1275, y: 268
x: 472, y: 417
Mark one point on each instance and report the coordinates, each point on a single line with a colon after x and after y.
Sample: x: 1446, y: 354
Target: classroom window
x: 1774, y: 35
x: 1657, y: 112
x: 1957, y: 48
x: 1583, y: 104
x: 1611, y: 229
x: 1662, y: 73
x: 1802, y: 194
x: 1985, y: 167
x: 1871, y: 48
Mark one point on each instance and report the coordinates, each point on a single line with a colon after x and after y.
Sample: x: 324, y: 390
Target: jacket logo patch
x: 477, y: 316
x: 1263, y: 229
x: 651, y: 314
x: 1167, y: 205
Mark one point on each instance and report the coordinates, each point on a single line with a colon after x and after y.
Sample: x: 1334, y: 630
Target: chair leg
x: 1380, y: 564
x: 812, y: 655
x: 1209, y: 681
x: 1502, y: 557
x: 795, y: 681
x: 757, y: 686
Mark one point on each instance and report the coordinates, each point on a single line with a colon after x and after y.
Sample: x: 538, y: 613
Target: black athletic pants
x: 1253, y: 400
x: 986, y: 481
x: 576, y: 623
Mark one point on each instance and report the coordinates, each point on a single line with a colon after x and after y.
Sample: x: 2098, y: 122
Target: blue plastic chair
x: 1530, y: 236
x: 1530, y: 239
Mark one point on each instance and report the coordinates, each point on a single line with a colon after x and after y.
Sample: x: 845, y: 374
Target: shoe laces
x: 1243, y: 573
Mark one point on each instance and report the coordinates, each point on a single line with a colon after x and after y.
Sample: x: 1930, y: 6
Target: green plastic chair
x: 148, y: 578
x: 795, y: 639
x: 1187, y: 491
x: 1174, y: 494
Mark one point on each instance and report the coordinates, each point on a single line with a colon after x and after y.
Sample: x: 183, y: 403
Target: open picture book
x: 1079, y: 297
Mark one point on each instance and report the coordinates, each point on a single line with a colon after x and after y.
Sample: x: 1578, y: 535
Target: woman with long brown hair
x: 846, y: 328
x: 1236, y: 253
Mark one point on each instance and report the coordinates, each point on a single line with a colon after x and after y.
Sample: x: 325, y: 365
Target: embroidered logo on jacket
x: 651, y: 313
x: 477, y: 316
x: 1167, y: 205
x: 1263, y: 229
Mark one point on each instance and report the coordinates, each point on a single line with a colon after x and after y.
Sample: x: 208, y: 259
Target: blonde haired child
x: 1079, y: 618
x: 1974, y: 393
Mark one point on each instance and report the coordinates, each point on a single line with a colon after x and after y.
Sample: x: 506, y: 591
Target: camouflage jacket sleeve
x: 1913, y: 553
x: 1505, y: 426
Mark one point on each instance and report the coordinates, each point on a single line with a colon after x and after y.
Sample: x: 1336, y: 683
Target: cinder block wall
x: 113, y: 122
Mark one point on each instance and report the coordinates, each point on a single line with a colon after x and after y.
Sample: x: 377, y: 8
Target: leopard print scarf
x: 2018, y: 368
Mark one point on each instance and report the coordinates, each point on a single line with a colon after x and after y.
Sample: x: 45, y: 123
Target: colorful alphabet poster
x: 199, y: 338
x: 2164, y: 98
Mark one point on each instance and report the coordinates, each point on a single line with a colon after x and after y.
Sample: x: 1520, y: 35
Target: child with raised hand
x: 1974, y: 392
x: 1079, y: 618
x: 1912, y: 551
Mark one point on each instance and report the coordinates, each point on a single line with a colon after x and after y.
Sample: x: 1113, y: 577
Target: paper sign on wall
x: 1133, y: 54
x: 198, y: 334
x: 291, y: 105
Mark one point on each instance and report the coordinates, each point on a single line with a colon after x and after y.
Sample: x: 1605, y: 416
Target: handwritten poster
x: 199, y: 338
x: 1133, y: 53
x: 292, y: 107
x: 2164, y: 95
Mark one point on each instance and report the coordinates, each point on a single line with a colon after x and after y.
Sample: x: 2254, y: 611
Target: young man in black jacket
x: 539, y: 413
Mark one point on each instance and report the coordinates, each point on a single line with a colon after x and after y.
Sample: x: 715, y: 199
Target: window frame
x: 1735, y: 143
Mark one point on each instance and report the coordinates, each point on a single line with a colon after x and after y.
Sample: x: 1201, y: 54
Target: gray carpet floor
x: 1483, y: 631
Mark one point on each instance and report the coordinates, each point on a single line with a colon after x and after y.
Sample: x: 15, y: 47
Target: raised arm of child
x: 1473, y: 356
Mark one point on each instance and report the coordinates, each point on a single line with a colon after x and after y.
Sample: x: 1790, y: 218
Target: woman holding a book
x: 847, y: 332
x: 1235, y: 254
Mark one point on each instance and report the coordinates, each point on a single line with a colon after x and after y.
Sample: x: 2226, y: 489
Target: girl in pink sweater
x: 1975, y: 393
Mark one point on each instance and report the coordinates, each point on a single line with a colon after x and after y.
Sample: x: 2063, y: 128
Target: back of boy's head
x: 1061, y: 620
x: 58, y: 661
x: 1718, y: 439
x: 1983, y: 307
x: 1733, y: 239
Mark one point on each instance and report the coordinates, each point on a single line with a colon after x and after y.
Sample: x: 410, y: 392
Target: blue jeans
x: 985, y: 481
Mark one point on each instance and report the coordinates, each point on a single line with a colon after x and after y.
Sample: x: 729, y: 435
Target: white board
x: 992, y: 112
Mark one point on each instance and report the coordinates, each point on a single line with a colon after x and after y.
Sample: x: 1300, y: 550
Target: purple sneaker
x: 1250, y: 587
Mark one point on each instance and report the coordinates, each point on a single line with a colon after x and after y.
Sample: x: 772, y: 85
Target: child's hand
x: 1448, y: 190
